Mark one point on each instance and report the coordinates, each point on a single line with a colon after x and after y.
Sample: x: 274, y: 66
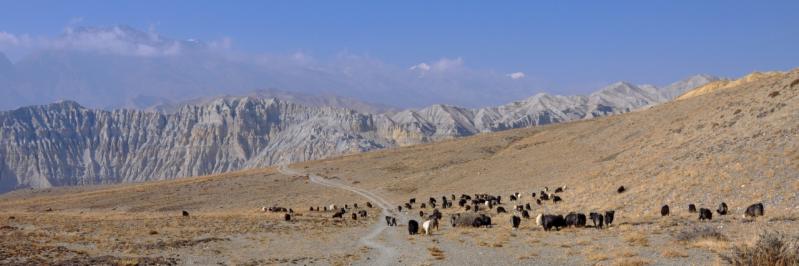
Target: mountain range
x: 64, y: 143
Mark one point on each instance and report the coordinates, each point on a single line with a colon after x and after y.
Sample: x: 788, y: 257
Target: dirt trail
x: 387, y: 253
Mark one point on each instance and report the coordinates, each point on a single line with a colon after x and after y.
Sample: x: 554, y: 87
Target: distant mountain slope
x: 166, y: 106
x: 66, y: 144
x: 737, y: 145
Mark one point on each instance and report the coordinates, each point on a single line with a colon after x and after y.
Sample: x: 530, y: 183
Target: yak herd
x: 472, y: 205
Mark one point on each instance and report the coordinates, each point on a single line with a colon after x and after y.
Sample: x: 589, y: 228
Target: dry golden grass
x: 632, y: 262
x: 715, y: 245
x: 528, y: 256
x: 636, y: 239
x: 596, y: 255
x: 437, y: 253
x: 673, y: 253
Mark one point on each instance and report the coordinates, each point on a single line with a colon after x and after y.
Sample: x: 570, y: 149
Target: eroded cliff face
x: 64, y: 143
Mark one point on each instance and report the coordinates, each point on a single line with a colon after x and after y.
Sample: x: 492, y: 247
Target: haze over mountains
x: 67, y: 144
x: 123, y: 67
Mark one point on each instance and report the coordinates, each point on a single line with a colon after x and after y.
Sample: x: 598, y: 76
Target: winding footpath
x: 387, y: 254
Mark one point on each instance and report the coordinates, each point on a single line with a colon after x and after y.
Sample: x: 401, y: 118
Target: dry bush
x: 437, y: 253
x: 673, y: 253
x: 784, y: 218
x: 771, y: 248
x: 704, y: 237
x: 632, y: 262
x: 700, y: 233
x: 596, y: 255
x: 637, y: 239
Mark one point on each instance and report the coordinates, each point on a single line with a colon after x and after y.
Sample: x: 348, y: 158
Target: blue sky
x: 567, y: 47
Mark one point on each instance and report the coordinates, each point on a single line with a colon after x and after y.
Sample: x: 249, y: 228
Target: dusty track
x: 387, y: 253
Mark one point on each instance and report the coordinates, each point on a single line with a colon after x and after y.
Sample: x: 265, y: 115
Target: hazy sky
x: 567, y: 48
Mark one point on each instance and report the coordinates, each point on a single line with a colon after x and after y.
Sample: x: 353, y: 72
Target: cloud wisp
x: 215, y: 67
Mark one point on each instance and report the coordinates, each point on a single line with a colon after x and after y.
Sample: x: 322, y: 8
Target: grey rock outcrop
x: 65, y: 144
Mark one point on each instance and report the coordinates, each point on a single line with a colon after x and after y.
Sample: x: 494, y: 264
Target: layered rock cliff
x: 66, y: 144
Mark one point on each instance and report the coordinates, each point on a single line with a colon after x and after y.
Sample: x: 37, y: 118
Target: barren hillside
x: 736, y: 145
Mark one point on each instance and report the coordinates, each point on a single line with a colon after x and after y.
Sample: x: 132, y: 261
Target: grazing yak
x: 429, y: 225
x: 664, y: 211
x: 339, y: 214
x: 621, y: 189
x: 691, y: 208
x: 525, y: 214
x: 515, y: 221
x: 355, y: 205
x: 421, y: 214
x: 518, y: 208
x: 575, y: 219
x: 705, y: 214
x: 185, y: 214
x: 412, y: 201
x: 462, y: 202
x: 388, y: 220
x: 722, y: 210
x: 527, y: 207
x: 552, y: 221
x: 482, y: 221
x: 408, y: 206
x: 399, y: 208
x: 501, y: 210
x: 559, y: 190
x: 362, y: 213
x: 468, y: 207
x: 368, y: 204
x: 467, y: 219
x: 538, y: 201
x: 544, y: 196
x: 597, y: 219
x: 754, y: 210
x: 512, y: 197
x: 287, y: 217
x: 556, y: 199
x: 413, y: 227
x: 423, y: 206
x: 436, y: 214
x: 354, y: 216
x: 609, y: 217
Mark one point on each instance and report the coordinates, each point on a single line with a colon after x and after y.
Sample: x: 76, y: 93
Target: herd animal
x: 754, y: 210
x: 471, y: 203
x: 413, y: 227
x: 429, y: 225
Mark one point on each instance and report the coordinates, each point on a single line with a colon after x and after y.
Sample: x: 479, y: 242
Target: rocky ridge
x: 65, y: 144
